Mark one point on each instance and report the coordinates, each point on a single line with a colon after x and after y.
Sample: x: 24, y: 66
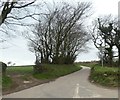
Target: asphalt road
x: 75, y: 85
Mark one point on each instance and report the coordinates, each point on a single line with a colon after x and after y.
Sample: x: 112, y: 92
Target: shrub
x: 4, y: 67
x: 37, y: 68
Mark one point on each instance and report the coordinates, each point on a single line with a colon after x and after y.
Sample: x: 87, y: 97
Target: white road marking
x: 76, y: 94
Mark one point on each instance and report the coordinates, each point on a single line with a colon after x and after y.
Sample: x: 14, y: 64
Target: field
x: 21, y: 77
x: 13, y: 70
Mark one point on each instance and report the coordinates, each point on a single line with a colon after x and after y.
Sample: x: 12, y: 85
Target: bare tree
x: 98, y: 41
x: 105, y: 36
x: 15, y: 16
x: 7, y: 7
x: 59, y: 34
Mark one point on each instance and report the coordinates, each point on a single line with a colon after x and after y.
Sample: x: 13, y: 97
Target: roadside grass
x: 106, y: 76
x: 25, y: 73
x: 54, y: 71
x: 6, y: 82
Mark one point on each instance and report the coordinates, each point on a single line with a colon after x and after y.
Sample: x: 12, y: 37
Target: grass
x: 0, y: 82
x: 20, y: 70
x: 54, y: 71
x: 106, y: 76
x: 6, y: 82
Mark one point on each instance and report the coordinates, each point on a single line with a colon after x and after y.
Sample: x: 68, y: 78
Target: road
x: 75, y: 85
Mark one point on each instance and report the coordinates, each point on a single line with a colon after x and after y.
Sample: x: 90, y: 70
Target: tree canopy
x: 59, y: 35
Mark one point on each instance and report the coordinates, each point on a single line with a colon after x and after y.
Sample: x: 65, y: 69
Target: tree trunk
x: 110, y: 56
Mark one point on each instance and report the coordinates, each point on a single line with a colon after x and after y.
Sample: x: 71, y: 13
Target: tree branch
x: 24, y: 5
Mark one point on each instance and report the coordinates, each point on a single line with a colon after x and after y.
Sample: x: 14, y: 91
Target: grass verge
x: 6, y: 82
x: 54, y: 71
x: 105, y: 76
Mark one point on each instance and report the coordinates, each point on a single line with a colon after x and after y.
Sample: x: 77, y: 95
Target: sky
x: 17, y: 51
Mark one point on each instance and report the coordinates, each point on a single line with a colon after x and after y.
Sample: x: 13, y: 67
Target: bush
x: 64, y: 59
x: 37, y: 68
x: 4, y: 67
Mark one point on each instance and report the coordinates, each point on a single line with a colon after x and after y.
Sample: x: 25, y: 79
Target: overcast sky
x: 17, y: 51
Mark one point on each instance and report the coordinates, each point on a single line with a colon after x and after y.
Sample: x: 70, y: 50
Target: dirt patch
x: 21, y: 82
